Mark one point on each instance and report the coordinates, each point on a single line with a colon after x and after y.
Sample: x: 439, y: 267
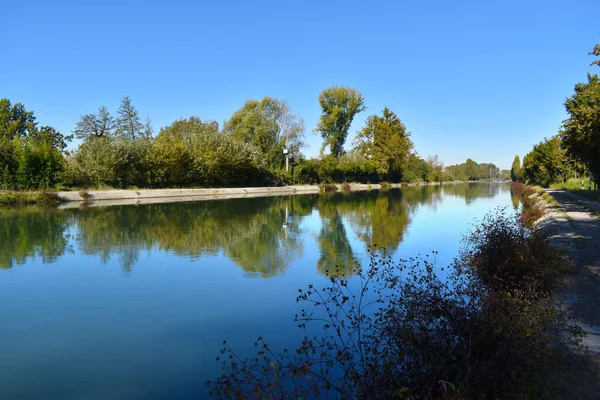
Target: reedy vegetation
x: 247, y: 150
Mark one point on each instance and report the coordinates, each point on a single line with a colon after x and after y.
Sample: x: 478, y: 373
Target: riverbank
x: 69, y: 199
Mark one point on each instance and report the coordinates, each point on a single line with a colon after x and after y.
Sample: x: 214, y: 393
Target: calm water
x: 133, y: 302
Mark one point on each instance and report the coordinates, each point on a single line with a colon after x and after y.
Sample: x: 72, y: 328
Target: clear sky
x: 484, y: 79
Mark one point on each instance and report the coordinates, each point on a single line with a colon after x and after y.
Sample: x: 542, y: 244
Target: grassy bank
x: 14, y: 198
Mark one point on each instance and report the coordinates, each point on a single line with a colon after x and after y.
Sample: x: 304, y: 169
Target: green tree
x: 516, y: 173
x: 215, y: 158
x: 100, y: 124
x: 339, y: 105
x: 385, y: 141
x: 15, y: 121
x: 435, y: 169
x: 581, y: 131
x: 128, y: 124
x: 547, y: 163
x: 268, y: 125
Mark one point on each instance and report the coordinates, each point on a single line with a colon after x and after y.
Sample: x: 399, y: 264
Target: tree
x: 15, y: 121
x: 268, y: 125
x: 548, y: 163
x: 128, y: 124
x: 516, y: 174
x: 436, y: 169
x: 595, y: 52
x: 100, y: 124
x: 385, y: 141
x: 581, y: 131
x: 339, y: 105
x: 197, y: 152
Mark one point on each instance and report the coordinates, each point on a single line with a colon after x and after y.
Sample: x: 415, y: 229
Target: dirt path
x: 575, y: 226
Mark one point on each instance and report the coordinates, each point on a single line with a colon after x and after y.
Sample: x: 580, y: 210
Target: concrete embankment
x: 148, y: 196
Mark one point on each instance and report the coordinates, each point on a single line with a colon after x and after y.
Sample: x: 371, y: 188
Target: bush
x: 29, y: 198
x: 306, y: 172
x: 398, y: 330
x: 506, y: 254
x: 328, y: 187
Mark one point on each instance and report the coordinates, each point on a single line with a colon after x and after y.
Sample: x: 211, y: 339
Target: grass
x: 571, y: 184
x: 43, y: 198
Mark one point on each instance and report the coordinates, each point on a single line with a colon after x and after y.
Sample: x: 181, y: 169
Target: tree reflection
x: 336, y: 257
x: 30, y: 233
x: 260, y: 235
x: 471, y: 191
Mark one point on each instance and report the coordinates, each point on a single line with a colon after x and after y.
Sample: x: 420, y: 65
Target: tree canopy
x: 385, y: 141
x: 268, y: 125
x: 339, y: 105
x: 581, y: 131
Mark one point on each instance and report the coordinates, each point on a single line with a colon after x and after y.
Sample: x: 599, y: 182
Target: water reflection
x: 472, y: 191
x: 260, y: 235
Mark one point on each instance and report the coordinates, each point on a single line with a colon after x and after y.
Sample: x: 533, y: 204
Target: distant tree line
x: 248, y: 149
x: 575, y: 150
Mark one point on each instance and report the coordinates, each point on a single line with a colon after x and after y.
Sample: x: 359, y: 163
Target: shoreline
x: 74, y: 198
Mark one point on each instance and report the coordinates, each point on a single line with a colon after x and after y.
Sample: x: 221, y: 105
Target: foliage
x: 581, y: 131
x: 100, y: 124
x: 417, y: 169
x: 548, y: 163
x: 201, y: 155
x: 28, y: 198
x: 516, y: 173
x: 573, y: 184
x: 472, y: 171
x: 128, y: 124
x: 435, y: 169
x: 268, y: 125
x: 401, y: 330
x: 328, y: 187
x: 306, y: 172
x: 339, y: 105
x: 385, y: 141
x: 104, y: 161
x: 30, y: 157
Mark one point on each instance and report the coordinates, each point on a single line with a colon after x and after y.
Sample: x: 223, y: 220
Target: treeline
x: 249, y: 149
x: 472, y: 171
x: 575, y: 150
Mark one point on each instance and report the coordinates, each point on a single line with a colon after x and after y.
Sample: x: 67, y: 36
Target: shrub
x: 506, y: 254
x: 384, y: 186
x: 398, y: 330
x: 328, y: 187
x: 306, y: 172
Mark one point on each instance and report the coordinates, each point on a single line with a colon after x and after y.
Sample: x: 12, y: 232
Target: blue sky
x: 480, y: 79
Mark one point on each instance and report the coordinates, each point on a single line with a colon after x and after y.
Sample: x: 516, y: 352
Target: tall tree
x: 516, y: 173
x: 128, y: 124
x: 581, y: 131
x: 385, y: 141
x: 268, y: 125
x: 100, y: 124
x: 339, y: 105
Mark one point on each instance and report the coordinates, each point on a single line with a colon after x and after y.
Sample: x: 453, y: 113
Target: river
x: 127, y: 302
